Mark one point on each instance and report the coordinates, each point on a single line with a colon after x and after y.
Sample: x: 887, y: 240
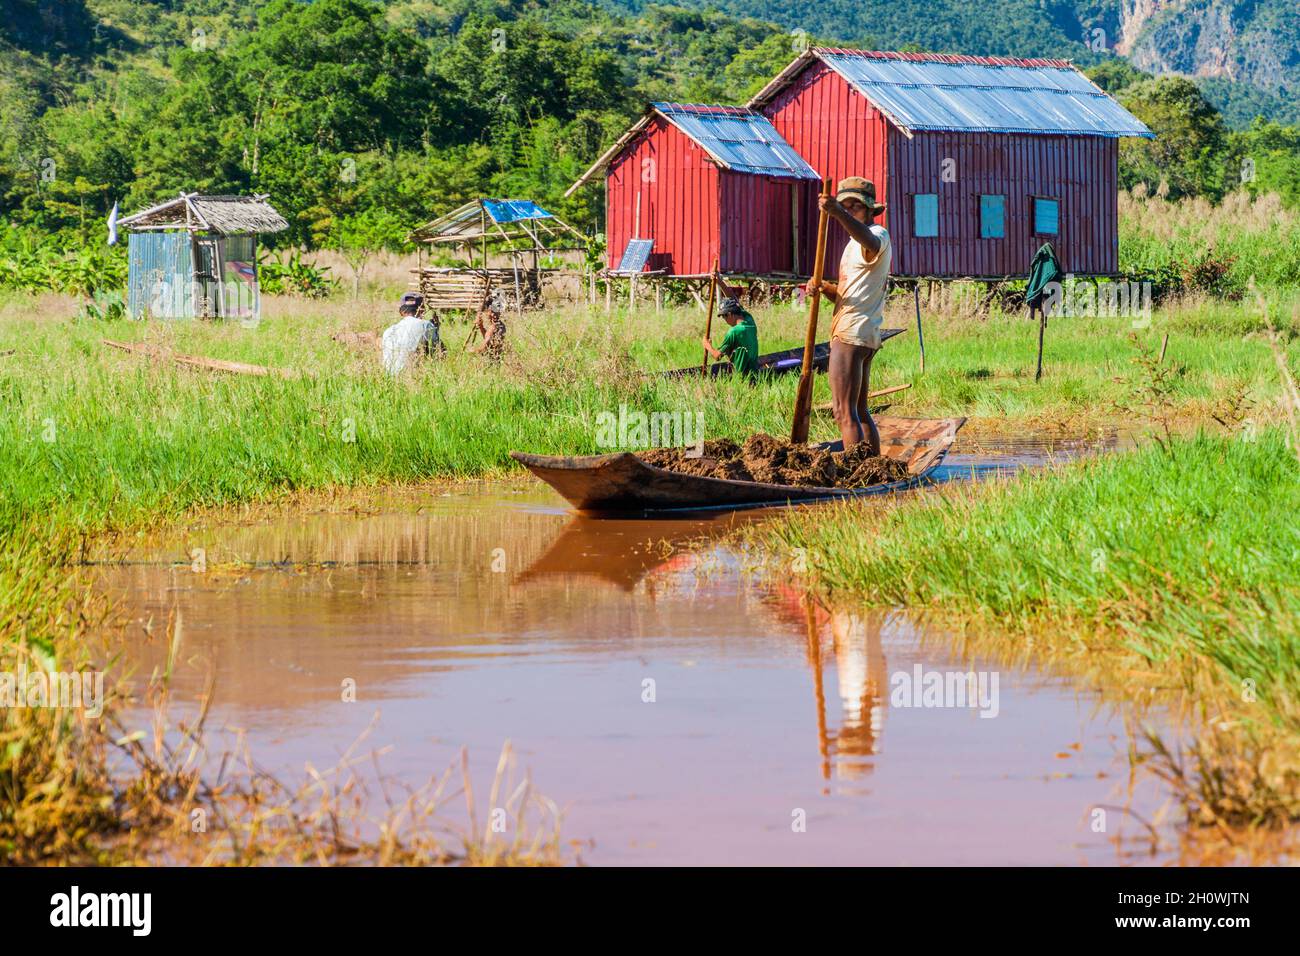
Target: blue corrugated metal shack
x: 196, y: 256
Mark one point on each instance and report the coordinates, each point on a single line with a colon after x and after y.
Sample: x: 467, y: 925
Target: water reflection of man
x: 860, y: 669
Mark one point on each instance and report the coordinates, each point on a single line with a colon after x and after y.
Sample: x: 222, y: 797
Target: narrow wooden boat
x: 624, y: 484
x: 777, y: 363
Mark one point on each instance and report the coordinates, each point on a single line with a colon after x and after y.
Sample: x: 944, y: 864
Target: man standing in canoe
x: 859, y: 299
x: 741, y: 341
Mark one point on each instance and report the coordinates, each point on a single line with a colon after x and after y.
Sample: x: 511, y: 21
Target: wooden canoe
x: 622, y: 483
x: 777, y: 363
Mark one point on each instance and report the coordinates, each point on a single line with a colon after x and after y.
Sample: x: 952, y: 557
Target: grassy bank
x: 1169, y: 567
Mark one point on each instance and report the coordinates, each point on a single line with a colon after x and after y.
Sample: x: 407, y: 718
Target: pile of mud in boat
x: 776, y: 461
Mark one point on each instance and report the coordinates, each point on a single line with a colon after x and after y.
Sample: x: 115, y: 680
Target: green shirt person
x: 741, y: 341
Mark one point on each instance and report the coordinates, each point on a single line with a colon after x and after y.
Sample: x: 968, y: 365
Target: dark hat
x: 730, y: 306
x: 411, y: 301
x: 863, y: 190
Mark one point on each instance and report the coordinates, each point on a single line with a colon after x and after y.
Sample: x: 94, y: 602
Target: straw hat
x: 863, y: 190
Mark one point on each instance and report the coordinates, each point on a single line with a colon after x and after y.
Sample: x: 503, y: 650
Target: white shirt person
x: 408, y: 337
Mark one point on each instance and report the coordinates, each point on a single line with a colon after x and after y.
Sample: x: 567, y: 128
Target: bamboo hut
x: 196, y: 256
x: 517, y: 233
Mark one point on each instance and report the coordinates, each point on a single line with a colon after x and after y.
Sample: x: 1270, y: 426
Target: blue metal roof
x: 974, y: 95
x: 739, y: 139
x: 514, y: 210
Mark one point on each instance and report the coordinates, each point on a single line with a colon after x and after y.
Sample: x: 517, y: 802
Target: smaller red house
x: 706, y: 182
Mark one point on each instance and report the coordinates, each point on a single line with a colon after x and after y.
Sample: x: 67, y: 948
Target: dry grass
x: 1201, y: 220
x: 180, y: 810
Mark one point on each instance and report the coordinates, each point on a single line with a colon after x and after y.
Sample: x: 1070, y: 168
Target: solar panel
x: 635, y: 257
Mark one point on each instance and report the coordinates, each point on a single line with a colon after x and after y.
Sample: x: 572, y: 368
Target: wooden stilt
x: 708, y: 322
x: 920, y: 334
x: 1042, y: 325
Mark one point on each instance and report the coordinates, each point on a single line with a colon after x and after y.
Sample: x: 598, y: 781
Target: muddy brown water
x: 481, y: 613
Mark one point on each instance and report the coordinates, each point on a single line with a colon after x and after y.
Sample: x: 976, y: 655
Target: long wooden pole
x: 803, y: 397
x: 708, y: 322
x: 1042, y: 324
x: 920, y: 333
x: 200, y: 361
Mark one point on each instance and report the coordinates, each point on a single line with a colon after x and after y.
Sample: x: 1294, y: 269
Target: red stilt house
x: 980, y: 160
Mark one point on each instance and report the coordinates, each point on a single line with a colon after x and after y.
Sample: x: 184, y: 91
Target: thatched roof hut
x: 196, y: 256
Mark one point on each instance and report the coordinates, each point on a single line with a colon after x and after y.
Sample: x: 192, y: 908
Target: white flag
x: 112, y: 225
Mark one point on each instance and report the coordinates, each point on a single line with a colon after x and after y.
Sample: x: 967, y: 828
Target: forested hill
x: 1245, y: 54
x: 367, y: 117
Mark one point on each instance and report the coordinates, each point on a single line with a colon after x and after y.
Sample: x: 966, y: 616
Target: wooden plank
x: 827, y: 406
x: 199, y: 361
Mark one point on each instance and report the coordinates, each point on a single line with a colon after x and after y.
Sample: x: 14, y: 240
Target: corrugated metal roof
x: 739, y: 139
x: 982, y: 94
x: 514, y: 210
x: 500, y: 219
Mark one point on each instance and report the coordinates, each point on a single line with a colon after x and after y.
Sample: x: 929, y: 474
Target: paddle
x: 708, y: 323
x: 803, y: 397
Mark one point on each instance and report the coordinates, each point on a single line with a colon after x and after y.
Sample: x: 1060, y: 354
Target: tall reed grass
x: 1260, y: 237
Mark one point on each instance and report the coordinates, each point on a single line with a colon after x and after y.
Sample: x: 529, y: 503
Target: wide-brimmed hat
x: 863, y: 190
x: 730, y: 306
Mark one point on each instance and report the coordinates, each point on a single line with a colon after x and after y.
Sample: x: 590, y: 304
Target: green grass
x: 93, y: 437
x: 1257, y: 239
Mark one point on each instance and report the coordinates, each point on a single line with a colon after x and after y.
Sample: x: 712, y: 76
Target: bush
x: 291, y: 276
x: 33, y: 261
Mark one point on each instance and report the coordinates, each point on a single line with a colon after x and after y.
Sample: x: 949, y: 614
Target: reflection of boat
x: 620, y: 552
x: 776, y: 363
x: 623, y: 483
